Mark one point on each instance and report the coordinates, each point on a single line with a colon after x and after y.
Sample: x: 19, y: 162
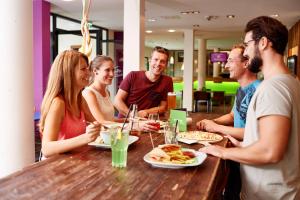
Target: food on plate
x: 200, y: 135
x: 99, y: 140
x: 171, y: 153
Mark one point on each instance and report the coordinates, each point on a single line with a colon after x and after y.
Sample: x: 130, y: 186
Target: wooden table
x: 86, y: 173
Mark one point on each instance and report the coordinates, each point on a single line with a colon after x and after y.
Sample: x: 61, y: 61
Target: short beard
x: 256, y: 62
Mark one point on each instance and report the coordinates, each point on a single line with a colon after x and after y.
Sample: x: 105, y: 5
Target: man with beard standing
x: 270, y: 152
x: 149, y: 90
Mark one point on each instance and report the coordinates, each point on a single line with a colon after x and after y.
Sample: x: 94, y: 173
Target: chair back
x: 218, y: 96
x: 201, y: 95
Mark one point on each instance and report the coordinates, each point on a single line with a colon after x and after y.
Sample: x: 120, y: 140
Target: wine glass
x: 153, y: 119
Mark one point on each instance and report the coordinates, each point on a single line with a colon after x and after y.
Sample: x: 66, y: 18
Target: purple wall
x: 41, y: 49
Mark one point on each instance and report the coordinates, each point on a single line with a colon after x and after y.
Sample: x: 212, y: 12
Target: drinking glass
x: 154, y: 120
x: 170, y: 134
x: 171, y: 100
x: 119, y: 146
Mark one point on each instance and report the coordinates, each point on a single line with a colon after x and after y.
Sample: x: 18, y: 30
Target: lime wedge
x: 119, y: 134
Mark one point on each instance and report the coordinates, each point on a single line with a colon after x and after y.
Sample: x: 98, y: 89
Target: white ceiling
x: 221, y: 32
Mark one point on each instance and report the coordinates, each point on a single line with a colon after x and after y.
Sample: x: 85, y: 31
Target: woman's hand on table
x: 92, y: 132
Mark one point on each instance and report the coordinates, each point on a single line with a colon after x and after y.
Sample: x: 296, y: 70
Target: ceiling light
x: 149, y: 31
x: 230, y: 16
x: 184, y: 12
x: 211, y: 17
x: 171, y: 30
x: 190, y: 12
x: 151, y: 20
x: 196, y: 12
x: 196, y: 25
x: 274, y: 15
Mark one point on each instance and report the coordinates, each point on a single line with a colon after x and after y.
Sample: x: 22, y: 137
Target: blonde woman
x: 64, y: 113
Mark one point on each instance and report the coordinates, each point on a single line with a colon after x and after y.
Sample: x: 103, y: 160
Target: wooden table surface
x: 86, y: 173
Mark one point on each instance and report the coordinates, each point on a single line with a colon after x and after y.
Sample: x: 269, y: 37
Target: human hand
x: 234, y: 141
x: 207, y: 125
x: 214, y: 150
x: 92, y: 132
x: 147, y: 126
x: 143, y: 113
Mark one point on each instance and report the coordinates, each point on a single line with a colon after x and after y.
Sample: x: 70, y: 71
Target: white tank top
x: 106, y: 106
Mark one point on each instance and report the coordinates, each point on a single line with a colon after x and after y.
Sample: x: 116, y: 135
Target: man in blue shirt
x: 237, y: 65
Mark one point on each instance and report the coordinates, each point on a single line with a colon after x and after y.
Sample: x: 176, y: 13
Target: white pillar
x: 201, y: 63
x: 188, y: 69
x: 134, y: 35
x: 16, y: 102
x: 111, y: 53
x: 216, y: 66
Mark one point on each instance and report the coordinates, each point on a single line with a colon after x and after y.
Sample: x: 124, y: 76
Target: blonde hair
x: 61, y: 83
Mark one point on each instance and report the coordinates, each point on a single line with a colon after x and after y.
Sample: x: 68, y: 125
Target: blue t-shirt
x: 241, y: 103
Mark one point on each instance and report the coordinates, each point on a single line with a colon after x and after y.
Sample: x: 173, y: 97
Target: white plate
x: 186, y: 141
x: 200, y: 157
x: 131, y: 140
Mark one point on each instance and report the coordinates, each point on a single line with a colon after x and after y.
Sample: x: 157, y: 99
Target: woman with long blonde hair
x: 64, y: 113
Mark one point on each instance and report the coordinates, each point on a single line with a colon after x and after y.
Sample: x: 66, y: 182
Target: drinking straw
x: 133, y: 116
x: 176, y: 124
x: 126, y: 117
x: 157, y: 113
x: 151, y: 139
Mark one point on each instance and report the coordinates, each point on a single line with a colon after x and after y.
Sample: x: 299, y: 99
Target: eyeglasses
x: 247, y: 43
x: 230, y: 61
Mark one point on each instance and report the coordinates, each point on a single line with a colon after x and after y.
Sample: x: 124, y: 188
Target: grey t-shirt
x: 279, y: 95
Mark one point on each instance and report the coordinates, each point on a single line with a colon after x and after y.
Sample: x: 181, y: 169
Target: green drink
x: 119, y: 146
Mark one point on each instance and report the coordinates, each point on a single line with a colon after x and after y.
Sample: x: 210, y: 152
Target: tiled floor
x: 215, y: 110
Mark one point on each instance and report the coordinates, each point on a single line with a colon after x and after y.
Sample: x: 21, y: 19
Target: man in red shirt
x: 148, y: 89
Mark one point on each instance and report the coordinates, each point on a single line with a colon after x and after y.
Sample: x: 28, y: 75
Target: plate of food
x: 100, y: 143
x: 191, y: 137
x: 174, y: 157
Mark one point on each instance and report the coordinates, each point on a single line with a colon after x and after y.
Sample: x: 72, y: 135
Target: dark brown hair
x: 270, y: 28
